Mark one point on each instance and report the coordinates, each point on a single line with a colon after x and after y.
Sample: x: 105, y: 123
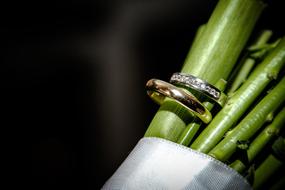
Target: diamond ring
x: 189, y: 81
x: 158, y: 90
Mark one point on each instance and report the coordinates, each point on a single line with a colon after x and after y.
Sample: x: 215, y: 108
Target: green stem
x: 266, y: 135
x: 240, y: 101
x: 251, y: 123
x: 198, y: 34
x: 211, y: 58
x: 271, y: 164
x: 242, y: 74
x: 263, y: 38
x: 189, y: 133
x: 224, y: 36
x: 248, y: 63
x: 169, y: 122
x: 192, y: 128
x: 261, y: 140
x: 268, y: 167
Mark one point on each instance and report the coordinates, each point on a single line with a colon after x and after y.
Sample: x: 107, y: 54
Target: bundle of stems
x: 254, y: 114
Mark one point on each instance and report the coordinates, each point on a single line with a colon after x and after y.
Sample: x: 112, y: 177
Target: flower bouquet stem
x: 248, y: 62
x: 240, y: 101
x: 212, y: 57
x: 243, y: 72
x: 255, y: 93
x: 270, y: 132
x: 273, y: 162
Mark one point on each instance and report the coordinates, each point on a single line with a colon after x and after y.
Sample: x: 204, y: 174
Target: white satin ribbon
x: 156, y: 164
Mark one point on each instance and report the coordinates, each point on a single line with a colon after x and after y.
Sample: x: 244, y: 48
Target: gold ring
x: 158, y: 90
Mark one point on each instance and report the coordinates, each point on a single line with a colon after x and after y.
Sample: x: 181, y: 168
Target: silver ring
x: 158, y: 90
x: 192, y: 82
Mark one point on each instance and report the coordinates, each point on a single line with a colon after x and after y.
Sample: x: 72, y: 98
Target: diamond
x: 189, y: 80
x: 183, y: 78
x: 196, y: 82
x: 208, y: 89
x: 203, y: 86
x: 178, y: 77
x: 217, y: 94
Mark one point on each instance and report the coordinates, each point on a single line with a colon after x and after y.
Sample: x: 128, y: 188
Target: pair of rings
x: 158, y: 90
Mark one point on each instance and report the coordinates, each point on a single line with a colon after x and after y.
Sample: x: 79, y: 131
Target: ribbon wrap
x: 156, y: 164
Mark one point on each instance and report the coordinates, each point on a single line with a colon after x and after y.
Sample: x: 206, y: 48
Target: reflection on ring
x: 158, y: 90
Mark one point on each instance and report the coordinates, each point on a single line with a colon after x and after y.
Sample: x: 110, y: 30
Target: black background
x: 73, y: 76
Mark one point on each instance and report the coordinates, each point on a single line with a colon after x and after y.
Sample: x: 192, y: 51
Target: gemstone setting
x: 195, y: 83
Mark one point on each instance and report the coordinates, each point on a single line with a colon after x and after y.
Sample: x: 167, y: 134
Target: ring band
x: 190, y: 81
x: 158, y: 90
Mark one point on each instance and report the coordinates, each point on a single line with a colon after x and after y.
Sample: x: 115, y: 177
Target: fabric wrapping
x: 158, y: 164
